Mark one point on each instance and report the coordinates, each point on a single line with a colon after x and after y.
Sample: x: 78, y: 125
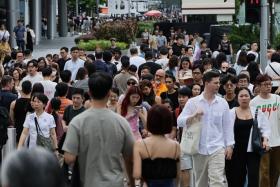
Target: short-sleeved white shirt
x: 74, y: 66
x: 46, y: 123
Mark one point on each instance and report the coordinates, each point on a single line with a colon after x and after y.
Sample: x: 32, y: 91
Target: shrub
x: 91, y: 45
x: 142, y: 25
x: 123, y: 31
x: 85, y: 38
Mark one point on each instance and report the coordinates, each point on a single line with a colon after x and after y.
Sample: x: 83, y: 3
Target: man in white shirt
x: 217, y: 137
x: 163, y: 60
x: 135, y: 59
x: 254, y: 49
x: 74, y: 63
x: 33, y: 76
x: 269, y: 104
x: 49, y: 86
x: 273, y: 70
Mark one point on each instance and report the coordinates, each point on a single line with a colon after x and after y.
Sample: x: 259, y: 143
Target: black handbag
x: 41, y: 139
x: 257, y: 137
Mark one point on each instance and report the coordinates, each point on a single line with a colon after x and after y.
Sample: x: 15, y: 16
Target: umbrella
x: 154, y: 13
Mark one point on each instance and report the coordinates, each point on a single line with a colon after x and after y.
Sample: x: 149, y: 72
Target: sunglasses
x: 131, y: 83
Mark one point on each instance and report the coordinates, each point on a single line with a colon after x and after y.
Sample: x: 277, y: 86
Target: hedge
x: 91, y: 45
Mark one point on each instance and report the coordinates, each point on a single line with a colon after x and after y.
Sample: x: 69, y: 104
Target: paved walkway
x: 52, y: 46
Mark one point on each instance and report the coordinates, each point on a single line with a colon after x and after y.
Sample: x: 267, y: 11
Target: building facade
x: 127, y: 7
x: 32, y: 12
x: 219, y: 10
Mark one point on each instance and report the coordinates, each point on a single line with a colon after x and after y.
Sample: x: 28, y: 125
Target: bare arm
x: 53, y: 136
x: 143, y: 117
x: 12, y: 107
x: 65, y: 127
x: 23, y: 136
x: 137, y: 161
x: 231, y: 50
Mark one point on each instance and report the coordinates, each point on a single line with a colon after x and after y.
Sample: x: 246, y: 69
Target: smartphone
x: 138, y: 107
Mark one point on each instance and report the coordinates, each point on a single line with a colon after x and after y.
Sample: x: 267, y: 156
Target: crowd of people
x: 119, y: 119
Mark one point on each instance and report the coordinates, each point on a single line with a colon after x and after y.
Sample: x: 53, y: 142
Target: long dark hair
x: 242, y: 59
x: 126, y: 100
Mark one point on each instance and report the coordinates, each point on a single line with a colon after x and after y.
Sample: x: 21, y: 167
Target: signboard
x: 198, y: 7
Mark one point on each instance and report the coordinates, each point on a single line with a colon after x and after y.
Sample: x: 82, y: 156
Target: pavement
x: 52, y: 46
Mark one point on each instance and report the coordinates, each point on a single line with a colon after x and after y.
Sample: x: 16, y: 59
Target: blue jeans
x: 161, y: 183
x: 20, y: 44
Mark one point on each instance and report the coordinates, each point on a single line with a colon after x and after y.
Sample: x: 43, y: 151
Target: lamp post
x: 77, y: 7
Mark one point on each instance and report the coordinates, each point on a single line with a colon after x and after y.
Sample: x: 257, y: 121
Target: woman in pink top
x: 132, y: 110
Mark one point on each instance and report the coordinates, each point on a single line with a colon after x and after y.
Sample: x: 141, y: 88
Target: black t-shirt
x: 233, y: 103
x: 61, y: 62
x: 177, y: 50
x: 173, y: 97
x: 70, y: 113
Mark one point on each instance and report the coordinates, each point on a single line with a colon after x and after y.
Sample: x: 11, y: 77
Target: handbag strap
x: 274, y: 70
x: 38, y: 129
x: 256, y: 114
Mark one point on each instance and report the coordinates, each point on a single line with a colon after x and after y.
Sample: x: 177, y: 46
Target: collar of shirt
x: 202, y: 98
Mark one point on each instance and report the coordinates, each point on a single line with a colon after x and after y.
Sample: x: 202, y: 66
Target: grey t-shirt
x: 98, y: 137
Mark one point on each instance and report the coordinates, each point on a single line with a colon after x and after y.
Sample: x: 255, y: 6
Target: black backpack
x: 4, y: 123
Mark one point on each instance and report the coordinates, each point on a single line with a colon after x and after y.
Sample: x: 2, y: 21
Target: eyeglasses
x: 131, y: 83
x: 266, y: 84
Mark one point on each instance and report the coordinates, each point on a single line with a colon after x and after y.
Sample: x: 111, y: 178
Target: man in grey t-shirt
x: 98, y: 137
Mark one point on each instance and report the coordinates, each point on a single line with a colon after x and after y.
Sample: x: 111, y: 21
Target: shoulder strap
x: 256, y: 114
x: 274, y: 70
x: 146, y: 149
x: 38, y: 129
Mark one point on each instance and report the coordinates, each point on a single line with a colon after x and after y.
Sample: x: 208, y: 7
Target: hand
x: 277, y: 91
x: 228, y: 152
x: 265, y: 145
x: 65, y: 128
x: 199, y: 113
x: 56, y: 153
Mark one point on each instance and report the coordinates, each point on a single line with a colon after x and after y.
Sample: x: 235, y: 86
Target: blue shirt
x: 101, y: 66
x: 19, y: 31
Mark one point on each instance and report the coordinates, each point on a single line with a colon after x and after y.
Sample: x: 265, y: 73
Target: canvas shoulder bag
x: 191, y: 137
